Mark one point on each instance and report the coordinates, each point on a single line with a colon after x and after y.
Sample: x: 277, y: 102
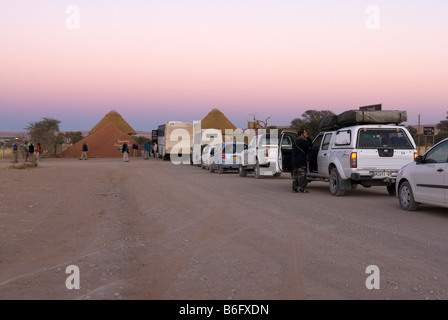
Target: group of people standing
x: 148, y: 149
x: 146, y: 152
x: 30, y: 152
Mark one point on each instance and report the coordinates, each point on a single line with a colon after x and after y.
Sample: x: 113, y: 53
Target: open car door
x: 285, y: 150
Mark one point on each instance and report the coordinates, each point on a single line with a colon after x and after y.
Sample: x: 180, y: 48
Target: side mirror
x: 419, y: 160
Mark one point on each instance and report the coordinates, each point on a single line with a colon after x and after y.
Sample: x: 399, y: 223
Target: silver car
x: 425, y: 180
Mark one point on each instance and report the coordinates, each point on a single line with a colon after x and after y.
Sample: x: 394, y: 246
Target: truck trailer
x: 174, y: 141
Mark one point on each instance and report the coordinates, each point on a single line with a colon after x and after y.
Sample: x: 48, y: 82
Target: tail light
x: 267, y: 153
x: 223, y: 155
x: 354, y: 160
x: 415, y: 155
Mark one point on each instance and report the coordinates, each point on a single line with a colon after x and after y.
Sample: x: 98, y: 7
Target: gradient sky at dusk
x: 155, y: 61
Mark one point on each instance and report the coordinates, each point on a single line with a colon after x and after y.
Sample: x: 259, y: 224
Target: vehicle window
x: 326, y: 142
x: 267, y: 139
x: 317, y: 141
x: 343, y: 138
x: 374, y: 138
x: 232, y: 148
x: 252, y: 143
x: 286, y: 142
x: 438, y: 155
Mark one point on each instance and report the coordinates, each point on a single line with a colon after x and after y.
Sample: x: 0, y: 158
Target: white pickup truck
x: 367, y: 155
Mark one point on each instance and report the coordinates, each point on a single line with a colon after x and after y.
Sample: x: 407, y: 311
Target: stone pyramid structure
x: 215, y: 119
x: 105, y: 142
x: 115, y: 118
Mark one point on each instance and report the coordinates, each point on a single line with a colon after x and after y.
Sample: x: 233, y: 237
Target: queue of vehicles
x: 378, y: 152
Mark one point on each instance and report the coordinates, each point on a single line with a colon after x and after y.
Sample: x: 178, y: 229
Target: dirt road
x: 148, y: 229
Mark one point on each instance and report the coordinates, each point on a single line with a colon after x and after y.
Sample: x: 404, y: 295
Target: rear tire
x: 220, y: 169
x: 241, y: 171
x: 210, y: 168
x: 277, y: 174
x: 257, y: 171
x: 335, y: 183
x: 406, y: 197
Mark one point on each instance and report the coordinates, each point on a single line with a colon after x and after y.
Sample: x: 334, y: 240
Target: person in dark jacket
x: 31, y: 151
x: 84, y: 152
x: 125, y: 150
x: 135, y: 149
x: 300, y: 149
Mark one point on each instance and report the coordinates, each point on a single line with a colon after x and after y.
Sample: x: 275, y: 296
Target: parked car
x: 260, y: 157
x: 208, y: 152
x: 425, y: 180
x: 226, y: 156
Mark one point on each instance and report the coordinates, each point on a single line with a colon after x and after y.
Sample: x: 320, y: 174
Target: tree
x: 414, y: 133
x: 140, y: 139
x: 310, y: 121
x: 45, y: 132
x: 443, y: 130
x: 71, y: 137
x: 263, y: 124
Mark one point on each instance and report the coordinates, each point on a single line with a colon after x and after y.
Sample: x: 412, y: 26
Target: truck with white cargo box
x: 174, y: 140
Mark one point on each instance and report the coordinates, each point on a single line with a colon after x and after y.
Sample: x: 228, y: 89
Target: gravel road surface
x: 148, y: 229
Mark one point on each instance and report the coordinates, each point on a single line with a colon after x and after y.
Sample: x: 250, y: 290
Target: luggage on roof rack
x: 355, y: 117
x: 329, y: 122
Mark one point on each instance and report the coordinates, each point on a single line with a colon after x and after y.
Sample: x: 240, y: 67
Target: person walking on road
x: 31, y: 151
x: 135, y: 149
x: 84, y: 152
x: 38, y: 151
x: 147, y: 150
x: 154, y: 149
x: 300, y: 149
x: 125, y: 150
x: 26, y: 151
x: 16, y: 152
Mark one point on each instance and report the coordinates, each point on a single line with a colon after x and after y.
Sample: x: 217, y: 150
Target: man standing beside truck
x: 300, y: 149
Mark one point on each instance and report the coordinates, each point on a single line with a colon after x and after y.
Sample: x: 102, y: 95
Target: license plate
x: 381, y: 174
x: 234, y: 158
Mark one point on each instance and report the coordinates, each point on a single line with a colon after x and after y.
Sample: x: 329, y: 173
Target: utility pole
x: 418, y: 135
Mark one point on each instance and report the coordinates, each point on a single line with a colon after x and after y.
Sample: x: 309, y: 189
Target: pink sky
x: 176, y: 60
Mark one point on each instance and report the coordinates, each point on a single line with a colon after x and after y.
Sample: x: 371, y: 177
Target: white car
x: 425, y: 180
x: 208, y: 152
x: 226, y: 156
x: 260, y: 157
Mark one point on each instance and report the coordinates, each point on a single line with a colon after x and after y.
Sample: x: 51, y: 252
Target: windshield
x: 376, y: 138
x: 266, y: 140
x: 234, y: 148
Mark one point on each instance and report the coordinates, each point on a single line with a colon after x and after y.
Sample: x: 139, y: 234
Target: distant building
x: 105, y: 139
x: 253, y: 125
x: 115, y: 118
x: 215, y: 119
x: 422, y: 126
